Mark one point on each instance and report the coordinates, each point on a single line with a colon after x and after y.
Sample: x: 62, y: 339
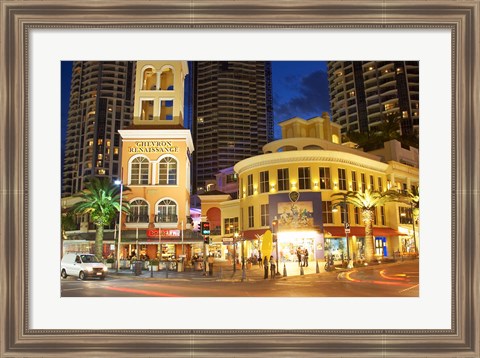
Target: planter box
x: 154, y: 268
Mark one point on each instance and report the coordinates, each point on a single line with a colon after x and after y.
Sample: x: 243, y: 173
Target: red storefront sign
x: 153, y: 233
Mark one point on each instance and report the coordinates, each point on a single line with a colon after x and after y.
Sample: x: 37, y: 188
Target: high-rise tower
x: 101, y: 103
x: 232, y: 114
x: 364, y: 92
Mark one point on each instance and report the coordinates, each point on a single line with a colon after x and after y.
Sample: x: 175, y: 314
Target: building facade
x: 364, y: 92
x: 232, y: 115
x: 101, y: 103
x: 156, y: 165
x: 311, y: 163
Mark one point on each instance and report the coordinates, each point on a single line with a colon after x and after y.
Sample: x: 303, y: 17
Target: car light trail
x: 400, y: 277
x: 141, y: 292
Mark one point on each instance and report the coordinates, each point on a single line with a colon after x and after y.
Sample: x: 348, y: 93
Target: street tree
x: 366, y: 201
x: 101, y: 200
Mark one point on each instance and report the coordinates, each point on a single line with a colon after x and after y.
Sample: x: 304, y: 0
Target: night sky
x: 300, y: 89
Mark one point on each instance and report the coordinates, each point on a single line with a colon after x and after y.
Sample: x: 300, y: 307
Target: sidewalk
x: 223, y: 271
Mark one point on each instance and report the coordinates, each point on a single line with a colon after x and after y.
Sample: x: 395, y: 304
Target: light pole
x: 413, y: 227
x: 119, y: 182
x: 235, y: 236
x: 275, y: 235
x: 346, y: 225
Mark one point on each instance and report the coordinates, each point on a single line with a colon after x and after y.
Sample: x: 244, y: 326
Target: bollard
x: 284, y: 270
x: 244, y: 274
x: 317, y: 269
x: 151, y: 270
x: 220, y: 273
x: 166, y: 269
x: 301, y: 270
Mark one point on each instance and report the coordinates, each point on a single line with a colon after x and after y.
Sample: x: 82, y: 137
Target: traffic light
x: 205, y: 228
x: 206, y: 240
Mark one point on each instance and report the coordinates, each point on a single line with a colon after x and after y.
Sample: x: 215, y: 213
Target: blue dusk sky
x: 300, y: 89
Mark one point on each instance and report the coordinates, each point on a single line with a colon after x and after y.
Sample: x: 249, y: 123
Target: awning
x: 339, y: 231
x: 252, y: 234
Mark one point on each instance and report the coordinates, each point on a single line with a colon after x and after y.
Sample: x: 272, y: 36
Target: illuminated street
x: 399, y: 279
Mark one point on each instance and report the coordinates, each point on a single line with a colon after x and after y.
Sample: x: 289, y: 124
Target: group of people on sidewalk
x: 273, y: 267
x: 302, y: 256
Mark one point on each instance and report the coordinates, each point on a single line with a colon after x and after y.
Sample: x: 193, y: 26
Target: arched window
x: 149, y: 79
x: 167, y: 171
x: 166, y: 211
x: 138, y: 212
x: 166, y: 79
x: 139, y: 171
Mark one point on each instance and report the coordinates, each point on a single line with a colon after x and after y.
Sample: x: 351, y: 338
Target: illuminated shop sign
x: 153, y: 146
x: 163, y: 233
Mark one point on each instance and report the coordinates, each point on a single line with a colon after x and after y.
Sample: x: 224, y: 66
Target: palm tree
x: 101, y: 200
x: 412, y: 198
x: 367, y: 202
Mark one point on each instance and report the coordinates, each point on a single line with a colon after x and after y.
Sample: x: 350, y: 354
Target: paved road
x: 387, y: 280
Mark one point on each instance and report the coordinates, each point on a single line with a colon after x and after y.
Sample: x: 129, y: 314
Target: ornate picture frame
x: 18, y: 18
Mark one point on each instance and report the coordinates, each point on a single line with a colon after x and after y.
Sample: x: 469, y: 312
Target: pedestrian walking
x: 306, y: 258
x: 265, y: 267
x: 210, y: 261
x: 299, y: 257
x: 272, y: 267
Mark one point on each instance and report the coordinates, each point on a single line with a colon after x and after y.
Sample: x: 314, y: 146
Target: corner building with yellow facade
x: 156, y: 161
x: 311, y: 163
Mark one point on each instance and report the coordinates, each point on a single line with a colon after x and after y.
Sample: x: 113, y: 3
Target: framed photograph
x: 36, y: 36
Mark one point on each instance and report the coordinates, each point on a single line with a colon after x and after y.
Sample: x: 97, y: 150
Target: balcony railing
x: 137, y: 218
x: 166, y: 218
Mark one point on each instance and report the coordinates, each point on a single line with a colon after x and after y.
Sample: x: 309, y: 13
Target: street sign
x: 227, y: 240
x: 347, y: 228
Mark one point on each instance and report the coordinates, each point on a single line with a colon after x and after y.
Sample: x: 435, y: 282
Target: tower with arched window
x: 156, y: 162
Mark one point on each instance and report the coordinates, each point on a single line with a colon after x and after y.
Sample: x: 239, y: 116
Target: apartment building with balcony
x: 364, y: 92
x: 232, y: 115
x: 101, y: 103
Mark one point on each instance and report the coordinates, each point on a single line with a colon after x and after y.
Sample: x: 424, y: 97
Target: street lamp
x: 119, y: 182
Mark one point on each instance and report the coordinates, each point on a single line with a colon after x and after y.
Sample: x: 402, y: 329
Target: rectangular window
x: 327, y: 215
x: 325, y: 178
x: 405, y: 215
x: 356, y: 214
x: 264, y: 215
x: 372, y: 183
x: 364, y: 184
x: 380, y: 185
x: 230, y: 225
x: 250, y: 185
x: 304, y: 181
x: 283, y: 179
x: 342, y: 179
x: 250, y: 217
x: 382, y: 215
x: 354, y: 181
x: 375, y: 216
x: 264, y: 182
x: 231, y: 178
x: 146, y: 110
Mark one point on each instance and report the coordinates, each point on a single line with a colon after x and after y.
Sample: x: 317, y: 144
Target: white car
x: 82, y: 266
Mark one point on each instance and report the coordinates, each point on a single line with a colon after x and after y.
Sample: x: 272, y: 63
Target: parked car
x: 82, y: 266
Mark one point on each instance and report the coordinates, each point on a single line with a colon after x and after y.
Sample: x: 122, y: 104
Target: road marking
x: 72, y: 289
x: 409, y: 288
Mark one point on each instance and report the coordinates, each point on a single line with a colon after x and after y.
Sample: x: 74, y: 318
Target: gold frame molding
x: 18, y: 17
